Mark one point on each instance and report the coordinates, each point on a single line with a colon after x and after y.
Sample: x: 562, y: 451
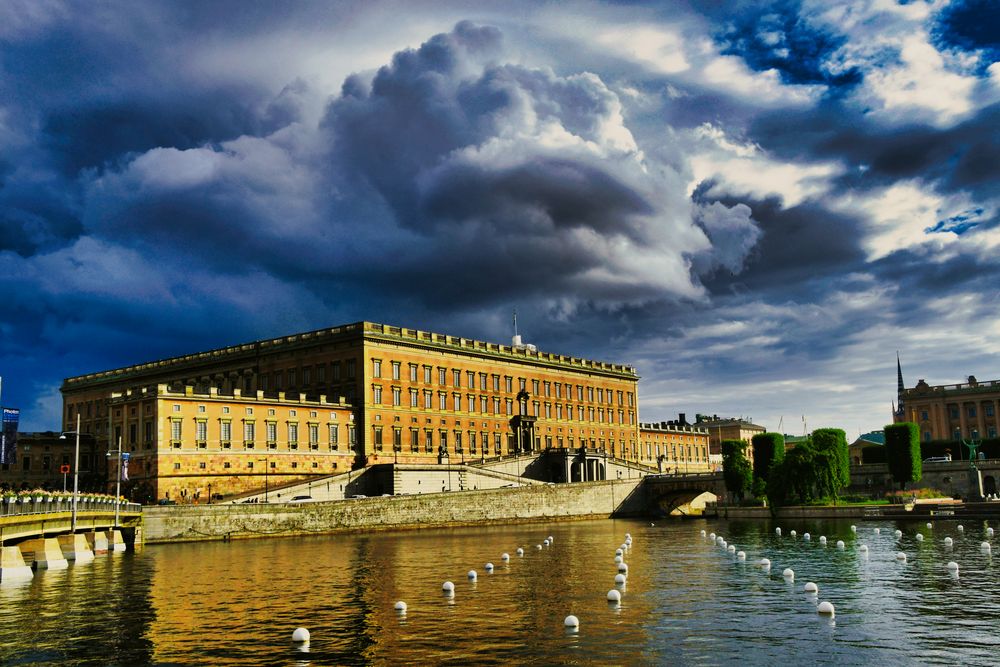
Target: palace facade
x: 674, y: 447
x: 968, y: 410
x: 395, y: 394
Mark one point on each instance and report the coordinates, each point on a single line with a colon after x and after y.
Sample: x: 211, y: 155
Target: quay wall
x: 184, y: 523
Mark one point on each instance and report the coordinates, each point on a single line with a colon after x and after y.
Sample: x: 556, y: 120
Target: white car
x: 302, y: 499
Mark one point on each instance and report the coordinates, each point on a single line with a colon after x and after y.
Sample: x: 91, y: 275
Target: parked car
x: 358, y: 495
x: 301, y: 499
x: 166, y: 501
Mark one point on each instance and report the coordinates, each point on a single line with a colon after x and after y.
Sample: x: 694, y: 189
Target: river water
x: 687, y: 600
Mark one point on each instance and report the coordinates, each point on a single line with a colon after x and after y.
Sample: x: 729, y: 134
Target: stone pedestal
x: 12, y: 565
x: 115, y: 541
x: 98, y: 542
x: 45, y: 553
x: 76, y: 548
x: 976, y: 485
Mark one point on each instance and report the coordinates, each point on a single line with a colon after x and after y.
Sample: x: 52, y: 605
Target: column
x: 568, y: 459
x: 963, y: 420
x: 980, y: 419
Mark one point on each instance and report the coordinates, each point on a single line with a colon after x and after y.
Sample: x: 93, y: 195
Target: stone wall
x: 504, y: 505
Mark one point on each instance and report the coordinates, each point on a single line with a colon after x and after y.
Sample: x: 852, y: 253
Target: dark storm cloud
x: 961, y: 157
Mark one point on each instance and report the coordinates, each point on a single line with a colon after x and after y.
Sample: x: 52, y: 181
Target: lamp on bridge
x: 76, y: 470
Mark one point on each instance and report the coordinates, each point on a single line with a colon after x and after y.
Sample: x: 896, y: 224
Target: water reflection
x: 687, y: 600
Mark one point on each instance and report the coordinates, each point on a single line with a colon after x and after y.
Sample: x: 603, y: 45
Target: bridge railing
x: 14, y: 506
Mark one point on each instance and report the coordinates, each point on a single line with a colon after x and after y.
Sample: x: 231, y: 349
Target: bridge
x: 673, y: 493
x: 46, y: 533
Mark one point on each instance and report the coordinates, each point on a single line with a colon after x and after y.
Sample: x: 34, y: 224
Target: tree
x: 805, y: 474
x: 834, y: 442
x: 902, y: 452
x: 768, y: 451
x: 736, y: 469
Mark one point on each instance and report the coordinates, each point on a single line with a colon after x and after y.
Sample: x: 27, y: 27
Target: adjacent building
x: 314, y: 403
x: 728, y: 428
x: 968, y: 410
x: 675, y: 447
x: 45, y: 461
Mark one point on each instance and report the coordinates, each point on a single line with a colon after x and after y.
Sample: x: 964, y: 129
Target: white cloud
x: 730, y: 74
x: 658, y: 47
x: 743, y: 168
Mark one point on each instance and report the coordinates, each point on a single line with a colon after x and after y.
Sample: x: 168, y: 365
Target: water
x: 687, y: 602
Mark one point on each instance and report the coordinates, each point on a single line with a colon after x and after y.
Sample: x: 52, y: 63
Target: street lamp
x: 118, y: 480
x: 76, y: 472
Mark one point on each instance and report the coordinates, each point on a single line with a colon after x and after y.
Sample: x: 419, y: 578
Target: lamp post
x: 118, y: 480
x: 76, y: 472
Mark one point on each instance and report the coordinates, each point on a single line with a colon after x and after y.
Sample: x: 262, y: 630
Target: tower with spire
x: 898, y: 413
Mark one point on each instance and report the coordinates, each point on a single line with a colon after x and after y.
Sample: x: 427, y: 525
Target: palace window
x: 396, y: 395
x: 377, y: 395
x: 377, y: 437
x: 293, y: 436
x: 313, y: 436
x: 334, y: 436
x: 414, y: 440
x: 395, y: 370
x: 376, y: 368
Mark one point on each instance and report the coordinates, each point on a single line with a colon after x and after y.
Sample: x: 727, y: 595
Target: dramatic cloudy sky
x: 756, y: 204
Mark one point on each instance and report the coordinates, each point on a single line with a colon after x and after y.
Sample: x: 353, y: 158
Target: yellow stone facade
x: 416, y: 397
x: 187, y: 446
x: 674, y: 448
x: 970, y: 410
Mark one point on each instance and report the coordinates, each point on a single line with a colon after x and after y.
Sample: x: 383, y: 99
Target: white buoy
x: 711, y: 536
x: 948, y: 541
x: 961, y: 528
x: 300, y: 636
x: 620, y: 579
x: 989, y: 531
x: 520, y: 551
x: 788, y: 573
x: 731, y: 549
x: 901, y: 556
x: 505, y: 556
x: 401, y: 607
x: 448, y: 587
x: 723, y: 544
x: 777, y: 531
x: 985, y: 546
x: 898, y: 534
x: 822, y: 539
x: 930, y: 525
x: 551, y: 539
x: 489, y: 567
x: 619, y: 552
x: 764, y: 563
x: 920, y: 537
x: 618, y: 559
x: 741, y: 555
x: 826, y: 609
x: 614, y: 595
x: 628, y: 536
x: 840, y: 544
x: 545, y: 542
x: 854, y: 529
x: 572, y: 622
x: 792, y: 533
x: 623, y: 568
x: 953, y: 566
x: 538, y: 546
x: 878, y: 531
x: 806, y: 536
x: 863, y: 548
x: 810, y: 587
x: 703, y: 533
x: 472, y: 575
x: 719, y: 539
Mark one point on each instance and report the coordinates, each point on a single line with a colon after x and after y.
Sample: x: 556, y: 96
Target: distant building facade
x: 41, y: 458
x: 401, y: 395
x: 731, y: 428
x: 674, y: 447
x: 969, y: 410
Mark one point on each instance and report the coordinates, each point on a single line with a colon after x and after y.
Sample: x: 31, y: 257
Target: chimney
x: 682, y: 419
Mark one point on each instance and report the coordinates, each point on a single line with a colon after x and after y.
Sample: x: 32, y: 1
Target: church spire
x: 899, y: 387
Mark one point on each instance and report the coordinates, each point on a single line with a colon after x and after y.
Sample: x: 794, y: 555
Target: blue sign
x: 8, y: 436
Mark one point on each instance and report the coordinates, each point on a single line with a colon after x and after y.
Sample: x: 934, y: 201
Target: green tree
x: 768, y: 451
x: 902, y: 452
x: 806, y: 474
x: 736, y: 469
x: 834, y: 442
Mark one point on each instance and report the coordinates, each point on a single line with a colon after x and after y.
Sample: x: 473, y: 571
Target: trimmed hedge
x: 768, y: 451
x: 902, y: 451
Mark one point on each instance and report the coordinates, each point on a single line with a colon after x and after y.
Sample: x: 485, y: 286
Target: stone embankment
x: 184, y: 523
